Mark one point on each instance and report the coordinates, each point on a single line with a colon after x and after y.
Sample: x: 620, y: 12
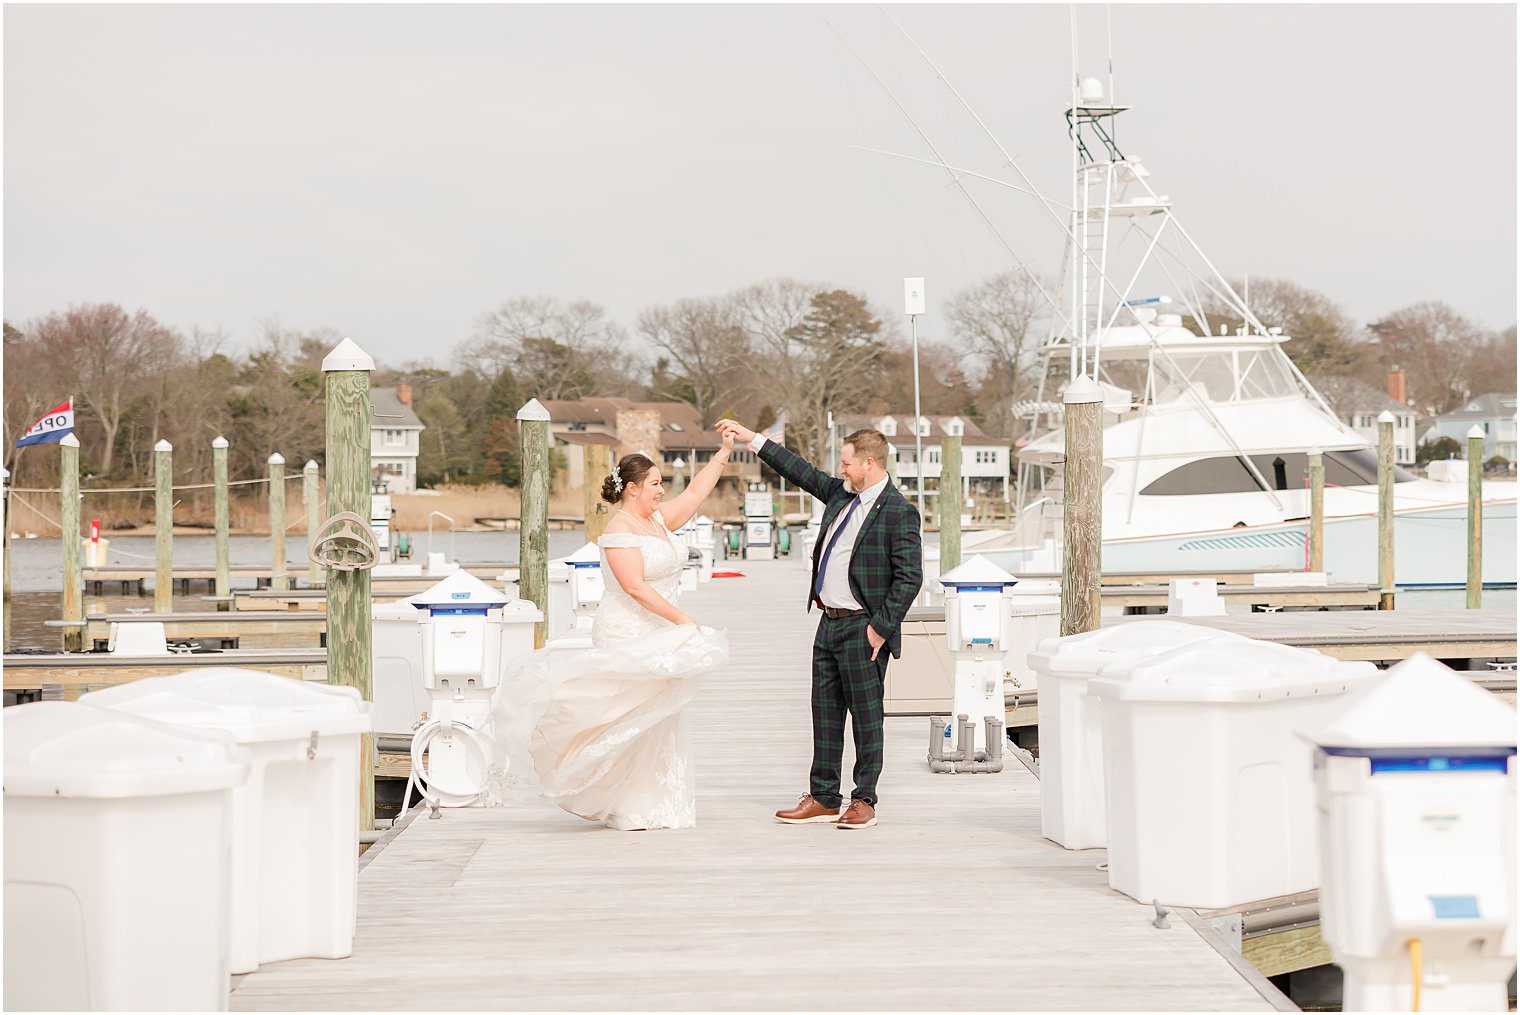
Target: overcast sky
x: 395, y: 171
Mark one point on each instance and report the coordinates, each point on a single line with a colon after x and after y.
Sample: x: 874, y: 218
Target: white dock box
x: 295, y: 833
x: 1415, y: 779
x: 1209, y: 789
x: 117, y: 861
x: 1071, y: 736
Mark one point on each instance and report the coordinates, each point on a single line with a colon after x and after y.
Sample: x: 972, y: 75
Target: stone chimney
x: 638, y: 430
x: 404, y: 393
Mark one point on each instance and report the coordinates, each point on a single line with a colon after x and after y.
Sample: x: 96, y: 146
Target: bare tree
x: 996, y: 320
x: 768, y: 312
x: 109, y: 358
x: 1324, y: 340
x: 705, y: 339
x: 555, y: 349
x: 1435, y: 345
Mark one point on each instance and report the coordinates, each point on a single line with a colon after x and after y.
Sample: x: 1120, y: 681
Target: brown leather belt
x: 835, y: 613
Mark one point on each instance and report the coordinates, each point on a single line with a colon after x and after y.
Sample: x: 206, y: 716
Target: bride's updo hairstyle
x: 632, y: 469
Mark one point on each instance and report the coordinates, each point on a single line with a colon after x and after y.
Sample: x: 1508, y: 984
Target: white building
x: 985, y: 460
x: 1494, y: 413
x: 1359, y: 405
x: 395, y: 437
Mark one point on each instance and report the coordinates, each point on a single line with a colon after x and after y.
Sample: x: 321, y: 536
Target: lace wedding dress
x: 601, y: 730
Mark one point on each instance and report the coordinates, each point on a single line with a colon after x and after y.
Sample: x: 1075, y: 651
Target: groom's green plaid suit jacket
x: 887, y: 565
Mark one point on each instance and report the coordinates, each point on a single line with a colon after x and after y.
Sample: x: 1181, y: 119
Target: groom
x: 867, y: 569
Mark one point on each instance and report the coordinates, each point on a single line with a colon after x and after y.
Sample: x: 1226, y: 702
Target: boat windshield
x: 1223, y: 376
x: 1219, y: 377
x: 1288, y: 470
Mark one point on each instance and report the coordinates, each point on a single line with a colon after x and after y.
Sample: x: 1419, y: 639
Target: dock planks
x: 953, y: 902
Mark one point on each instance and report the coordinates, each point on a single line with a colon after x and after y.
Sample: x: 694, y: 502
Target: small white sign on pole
x: 914, y: 301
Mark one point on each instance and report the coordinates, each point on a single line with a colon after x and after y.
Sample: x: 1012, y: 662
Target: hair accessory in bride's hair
x: 617, y: 480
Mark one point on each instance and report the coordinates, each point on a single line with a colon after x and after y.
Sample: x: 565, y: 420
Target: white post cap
x: 1385, y: 417
x: 219, y: 443
x: 311, y: 465
x: 163, y: 446
x: 1082, y: 391
x: 276, y: 459
x: 534, y: 410
x: 347, y: 355
x: 69, y: 441
x: 679, y: 463
x: 1316, y: 451
x: 1476, y: 431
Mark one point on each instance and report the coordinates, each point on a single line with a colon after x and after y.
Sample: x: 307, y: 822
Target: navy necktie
x: 823, y: 562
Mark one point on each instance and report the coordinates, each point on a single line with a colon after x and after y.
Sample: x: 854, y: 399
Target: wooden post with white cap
x: 1082, y: 517
x: 277, y: 576
x: 1475, y: 518
x: 349, y: 635
x: 1316, y: 510
x: 223, y: 590
x: 163, y: 527
x: 311, y: 494
x: 73, y: 573
x: 1385, y: 510
x: 533, y: 513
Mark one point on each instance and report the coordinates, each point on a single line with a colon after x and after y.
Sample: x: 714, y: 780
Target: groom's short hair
x: 870, y: 444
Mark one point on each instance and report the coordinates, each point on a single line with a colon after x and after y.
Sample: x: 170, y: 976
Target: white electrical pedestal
x: 575, y: 589
x: 978, y: 632
x: 1416, y: 787
x: 759, y: 527
x: 469, y: 630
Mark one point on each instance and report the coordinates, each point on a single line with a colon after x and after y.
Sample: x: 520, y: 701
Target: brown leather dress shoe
x: 858, y: 815
x: 807, y: 812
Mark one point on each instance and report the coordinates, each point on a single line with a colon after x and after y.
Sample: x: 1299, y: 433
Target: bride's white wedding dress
x: 601, y: 730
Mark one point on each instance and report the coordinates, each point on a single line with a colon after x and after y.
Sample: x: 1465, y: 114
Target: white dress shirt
x: 835, y: 591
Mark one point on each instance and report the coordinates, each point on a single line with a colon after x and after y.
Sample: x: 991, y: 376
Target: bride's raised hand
x: 728, y: 440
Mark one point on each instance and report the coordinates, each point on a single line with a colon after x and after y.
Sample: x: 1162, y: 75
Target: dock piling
x: 163, y: 527
x: 349, y: 634
x: 73, y: 574
x: 948, y: 504
x: 1475, y: 518
x: 533, y: 514
x: 223, y: 588
x: 277, y: 578
x: 311, y: 493
x: 1082, y: 518
x: 1316, y: 510
x: 1385, y: 509
x: 598, y: 463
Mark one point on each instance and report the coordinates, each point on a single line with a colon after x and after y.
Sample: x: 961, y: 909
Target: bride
x: 603, y: 729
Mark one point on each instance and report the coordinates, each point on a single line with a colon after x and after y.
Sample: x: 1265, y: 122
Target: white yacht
x: 1205, y: 466
x: 1207, y: 436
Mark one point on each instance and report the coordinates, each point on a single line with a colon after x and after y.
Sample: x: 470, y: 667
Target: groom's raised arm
x: 797, y: 470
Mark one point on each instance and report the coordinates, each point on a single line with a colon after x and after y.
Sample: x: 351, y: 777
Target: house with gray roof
x: 1358, y: 405
x: 1494, y: 413
x: 395, y: 438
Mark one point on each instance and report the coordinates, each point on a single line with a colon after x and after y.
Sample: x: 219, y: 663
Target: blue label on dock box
x: 1454, y: 907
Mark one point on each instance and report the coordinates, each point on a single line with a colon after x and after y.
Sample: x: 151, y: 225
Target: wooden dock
x: 186, y: 576
x: 1247, y: 598
x: 77, y: 672
x: 282, y: 627
x: 1377, y: 635
x: 953, y: 902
